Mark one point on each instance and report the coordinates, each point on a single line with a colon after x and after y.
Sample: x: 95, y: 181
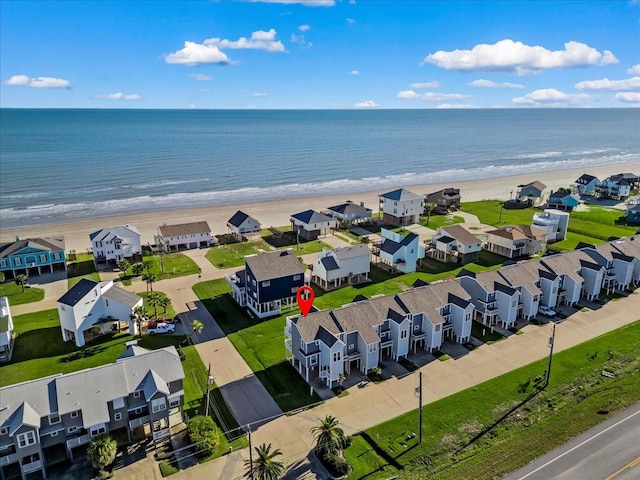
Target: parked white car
x: 546, y: 311
x: 161, y: 328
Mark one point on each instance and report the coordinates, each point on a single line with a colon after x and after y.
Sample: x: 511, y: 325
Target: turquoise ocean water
x: 59, y: 165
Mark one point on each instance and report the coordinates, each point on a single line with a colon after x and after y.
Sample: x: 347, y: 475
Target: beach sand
x: 277, y: 212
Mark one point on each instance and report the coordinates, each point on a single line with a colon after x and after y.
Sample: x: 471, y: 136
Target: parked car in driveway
x: 546, y: 311
x: 160, y: 328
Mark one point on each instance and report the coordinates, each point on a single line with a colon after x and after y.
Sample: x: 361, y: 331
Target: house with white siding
x: 350, y: 213
x: 184, y: 236
x: 114, y: 244
x: 6, y: 330
x: 454, y: 244
x: 242, y: 226
x: 401, y: 253
x: 342, y: 266
x: 401, y: 207
x: 555, y: 222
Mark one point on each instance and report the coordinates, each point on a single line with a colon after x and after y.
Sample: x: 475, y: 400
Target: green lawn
x: 577, y: 398
x: 437, y: 221
x: 170, y: 313
x: 488, y: 212
x: 71, y: 281
x: 81, y: 266
x: 285, y: 238
x: 171, y: 265
x: 16, y: 296
x: 232, y: 254
x: 572, y: 241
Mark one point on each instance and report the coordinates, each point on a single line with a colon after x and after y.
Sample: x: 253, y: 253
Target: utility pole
x: 209, y: 381
x: 420, y: 410
x: 250, y: 453
x: 551, y: 342
x: 501, y: 205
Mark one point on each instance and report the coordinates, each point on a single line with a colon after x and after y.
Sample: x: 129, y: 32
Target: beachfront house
x: 184, y: 236
x: 615, y: 187
x: 515, y: 241
x: 555, y: 222
x: 241, y: 226
x: 90, y: 309
x: 563, y: 199
x: 454, y: 244
x: 530, y: 193
x: 350, y: 213
x: 32, y: 256
x: 268, y: 282
x: 6, y: 330
x: 444, y: 200
x: 586, y: 184
x: 114, y: 244
x: 132, y: 398
x: 619, y: 267
x: 401, y: 207
x: 632, y: 213
x: 311, y: 224
x: 341, y: 267
x: 400, y: 253
x: 574, y: 266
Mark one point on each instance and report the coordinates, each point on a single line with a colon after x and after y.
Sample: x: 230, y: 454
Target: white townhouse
x: 515, y: 241
x: 619, y: 267
x: 241, y: 226
x: 631, y: 248
x: 571, y: 265
x: 537, y: 286
x: 342, y: 266
x: 401, y: 207
x: 400, y: 253
x: 555, y: 222
x: 114, y: 244
x: 454, y: 244
x: 90, y: 309
x: 6, y: 330
x: 615, y: 187
x: 184, y: 236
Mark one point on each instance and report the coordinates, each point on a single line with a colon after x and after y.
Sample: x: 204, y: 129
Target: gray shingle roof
x: 47, y: 244
x: 461, y: 234
x: 342, y: 253
x: 270, y: 265
x: 120, y: 232
x: 184, y: 229
x: 311, y: 216
x: 122, y: 296
x: 351, y: 208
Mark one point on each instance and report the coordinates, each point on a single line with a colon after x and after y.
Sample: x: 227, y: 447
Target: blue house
x: 32, y: 256
x: 268, y: 282
x: 563, y: 200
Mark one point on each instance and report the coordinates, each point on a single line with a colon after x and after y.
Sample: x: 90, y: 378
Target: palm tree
x: 137, y: 269
x: 429, y: 208
x: 101, y: 452
x: 124, y: 265
x: 22, y: 280
x: 148, y: 265
x: 196, y: 327
x: 140, y: 315
x: 150, y: 278
x: 265, y: 467
x: 329, y: 436
x: 154, y: 299
x: 164, y: 302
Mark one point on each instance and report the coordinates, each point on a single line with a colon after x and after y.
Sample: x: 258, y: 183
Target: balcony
x: 7, y: 459
x: 287, y: 345
x: 164, y: 433
x: 32, y: 466
x: 137, y: 422
x: 76, y: 442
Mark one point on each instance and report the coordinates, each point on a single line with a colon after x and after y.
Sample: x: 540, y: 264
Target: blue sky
x: 320, y: 54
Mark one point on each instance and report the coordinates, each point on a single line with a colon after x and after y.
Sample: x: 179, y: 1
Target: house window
x: 514, y: 302
x: 158, y: 404
x: 174, y: 403
x: 352, y: 346
x: 296, y: 277
x: 26, y: 439
x: 373, y: 348
x: 75, y: 413
x: 117, y: 416
x: 137, y: 393
x: 17, y: 261
x: 437, y: 329
x: 43, y: 258
x: 54, y: 418
x: 54, y: 434
x: 266, y: 283
x: 337, y: 356
x: 313, y: 360
x: 138, y: 410
x: 98, y: 431
x: 3, y: 263
x: 73, y: 429
x: 403, y: 334
x: 4, y: 430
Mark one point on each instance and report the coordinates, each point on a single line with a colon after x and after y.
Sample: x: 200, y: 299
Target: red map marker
x: 305, y: 299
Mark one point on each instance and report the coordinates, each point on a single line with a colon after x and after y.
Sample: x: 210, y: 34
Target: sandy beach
x: 277, y: 212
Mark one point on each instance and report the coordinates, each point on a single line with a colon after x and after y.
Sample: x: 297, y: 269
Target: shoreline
x: 277, y: 212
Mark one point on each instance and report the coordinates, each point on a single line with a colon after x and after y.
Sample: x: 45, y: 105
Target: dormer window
x: 26, y: 439
x: 137, y: 394
x: 54, y: 418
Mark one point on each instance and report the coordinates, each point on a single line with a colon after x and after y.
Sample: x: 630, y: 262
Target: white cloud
x: 259, y: 40
x: 628, y: 97
x: 425, y: 85
x: 190, y: 106
x: 259, y: 95
x: 635, y: 70
x: 201, y: 77
x: 308, y: 3
x: 367, y: 104
x: 304, y: 28
x: 481, y: 83
x: 431, y: 96
x: 354, y: 73
x: 455, y: 105
x: 407, y: 95
x: 197, y: 54
x: 516, y: 57
x: 626, y: 85
x: 299, y: 39
x: 37, y: 82
x: 120, y: 96
x: 351, y: 21
x: 549, y: 97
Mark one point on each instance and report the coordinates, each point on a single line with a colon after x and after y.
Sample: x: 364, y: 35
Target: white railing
x: 136, y: 422
x: 7, y: 459
x: 76, y: 442
x: 287, y: 344
x: 162, y: 434
x: 31, y: 467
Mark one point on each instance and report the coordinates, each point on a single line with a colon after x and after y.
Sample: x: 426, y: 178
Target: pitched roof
x: 106, y: 234
x: 585, y: 178
x: 461, y: 234
x: 525, y: 274
x: 77, y: 292
x: 390, y: 246
x: 184, y: 229
x: 270, y: 265
x: 329, y: 263
x: 519, y: 232
x: 122, y: 296
x: 536, y: 184
x: 350, y: 208
x: 311, y: 216
x: 401, y: 195
x: 628, y: 246
x: 342, y: 253
x: 47, y: 244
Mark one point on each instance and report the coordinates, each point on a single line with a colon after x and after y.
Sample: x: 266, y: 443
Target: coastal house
x: 327, y: 344
x: 537, y: 286
x: 268, y: 282
x: 401, y: 207
x: 615, y: 187
x: 515, y: 241
x: 342, y: 266
x: 90, y: 309
x: 586, y: 184
x: 530, y: 193
x: 495, y: 301
x: 184, y: 236
x: 577, y: 270
x: 631, y: 248
x: 350, y: 213
x: 6, y: 330
x: 130, y: 397
x: 631, y: 178
x: 32, y: 256
x: 114, y: 244
x: 454, y: 244
x: 242, y: 226
x: 555, y: 222
x: 311, y: 224
x: 444, y: 200
x: 632, y: 213
x: 619, y: 266
x: 563, y: 199
x: 398, y: 252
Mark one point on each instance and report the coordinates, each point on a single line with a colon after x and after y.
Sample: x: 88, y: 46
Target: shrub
x: 336, y: 464
x: 202, y: 432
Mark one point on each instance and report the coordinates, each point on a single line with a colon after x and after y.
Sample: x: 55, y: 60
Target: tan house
x: 454, y: 244
x: 515, y: 241
x: 184, y: 236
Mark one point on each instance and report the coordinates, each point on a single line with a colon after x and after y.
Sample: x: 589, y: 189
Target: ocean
x: 59, y: 165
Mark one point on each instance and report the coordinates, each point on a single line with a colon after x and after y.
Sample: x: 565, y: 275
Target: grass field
x: 16, y: 296
x: 577, y: 398
x: 437, y: 221
x: 169, y: 313
x: 232, y: 254
x: 72, y: 281
x: 81, y: 266
x: 172, y: 264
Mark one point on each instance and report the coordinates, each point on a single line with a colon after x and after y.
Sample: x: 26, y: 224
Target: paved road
x: 609, y: 451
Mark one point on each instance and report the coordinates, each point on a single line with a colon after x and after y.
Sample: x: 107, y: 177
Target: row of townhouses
x: 132, y: 397
x: 328, y: 344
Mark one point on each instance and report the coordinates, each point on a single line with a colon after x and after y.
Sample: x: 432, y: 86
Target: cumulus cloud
x: 37, y: 82
x: 259, y: 95
x: 431, y: 96
x: 201, y: 77
x: 367, y: 104
x: 196, y: 54
x: 628, y: 97
x: 308, y: 3
x: 304, y: 28
x: 259, y: 40
x: 635, y: 70
x: 629, y: 84
x: 425, y: 85
x: 354, y: 73
x: 120, y: 96
x: 549, y: 97
x: 516, y: 57
x: 481, y: 83
x: 407, y: 95
x: 299, y: 39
